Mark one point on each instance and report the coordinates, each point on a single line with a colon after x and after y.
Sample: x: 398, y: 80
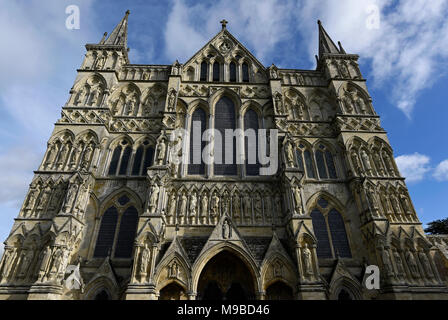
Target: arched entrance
x: 172, y: 291
x: 279, y: 291
x: 226, y: 277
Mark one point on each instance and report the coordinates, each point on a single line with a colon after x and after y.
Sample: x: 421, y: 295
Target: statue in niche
x: 95, y: 97
x: 426, y: 264
x: 82, y: 200
x: 247, y: 206
x: 226, y: 230
x: 388, y: 163
x: 86, y: 157
x: 279, y: 104
x: 277, y: 269
x: 366, y: 161
x: 290, y: 154
x: 56, y: 199
x: 45, y: 196
x: 362, y: 107
x: 371, y: 199
x: 204, y: 206
x: 278, y: 205
x: 268, y: 207
x: 144, y: 261
x: 130, y: 105
x: 343, y: 71
x: 173, y: 270
x: 412, y: 264
x: 387, y: 262
x: 193, y: 205
x: 175, y: 68
x: 63, y: 155
x: 81, y: 96
x: 214, y: 212
x: 7, y: 260
x: 307, y: 260
x: 117, y: 105
x: 44, y: 258
x: 74, y: 157
x: 51, y: 155
x: 298, y: 200
x: 399, y: 263
x: 153, y: 200
x: 56, y: 263
x: 406, y: 205
x: 31, y: 200
x: 226, y: 204
x: 183, y: 205
x: 26, y: 257
x: 100, y: 62
x: 395, y: 204
x: 378, y: 164
x: 172, y: 100
x: 161, y: 149
x: 356, y: 163
x: 236, y: 207
x: 70, y: 197
x: 257, y: 207
x: 273, y: 72
x: 348, y: 103
x: 172, y: 205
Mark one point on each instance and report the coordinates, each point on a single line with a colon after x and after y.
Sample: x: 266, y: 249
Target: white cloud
x: 406, y: 51
x: 413, y: 166
x: 260, y: 24
x: 441, y: 171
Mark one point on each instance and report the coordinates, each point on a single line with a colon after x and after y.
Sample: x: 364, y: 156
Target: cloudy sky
x: 403, y: 47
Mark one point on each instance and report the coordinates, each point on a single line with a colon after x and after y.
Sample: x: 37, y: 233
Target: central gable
x: 224, y: 48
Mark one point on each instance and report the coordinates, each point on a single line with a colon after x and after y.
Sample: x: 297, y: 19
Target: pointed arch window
x: 120, y: 159
x: 196, y: 162
x: 329, y: 228
x: 225, y: 119
x: 216, y: 71
x: 305, y: 161
x: 245, y: 70
x: 232, y: 71
x: 117, y: 230
x: 204, y: 71
x: 143, y: 159
x: 251, y: 122
x: 325, y: 163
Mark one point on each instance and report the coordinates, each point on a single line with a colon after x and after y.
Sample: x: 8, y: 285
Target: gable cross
x: 224, y: 23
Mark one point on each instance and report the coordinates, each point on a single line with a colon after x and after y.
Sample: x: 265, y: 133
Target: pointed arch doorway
x: 226, y: 277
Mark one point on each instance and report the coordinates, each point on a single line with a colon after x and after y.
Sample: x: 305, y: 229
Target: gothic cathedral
x: 110, y: 214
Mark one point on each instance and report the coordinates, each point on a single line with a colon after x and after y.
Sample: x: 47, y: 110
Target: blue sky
x: 403, y: 55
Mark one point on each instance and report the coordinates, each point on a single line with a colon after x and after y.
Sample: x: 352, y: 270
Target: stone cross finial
x: 224, y: 23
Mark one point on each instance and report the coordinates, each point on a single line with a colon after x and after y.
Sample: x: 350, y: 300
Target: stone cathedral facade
x: 110, y: 215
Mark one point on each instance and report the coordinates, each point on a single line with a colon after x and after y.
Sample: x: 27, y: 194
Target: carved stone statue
x: 214, y: 212
x: 257, y: 207
x: 366, y: 161
x: 44, y: 258
x: 273, y: 72
x: 161, y: 149
x: 298, y: 200
x: 100, y: 62
x: 172, y: 100
x: 204, y: 206
x: 153, y: 200
x: 173, y: 270
x: 51, y: 155
x: 86, y: 157
x: 290, y: 155
x: 175, y: 68
x: 31, y: 200
x: 348, y: 103
x: 44, y: 198
x: 183, y: 205
x: 387, y: 262
x: 426, y: 264
x: 63, y: 156
x: 247, y: 206
x: 412, y: 264
x: 70, y: 197
x: 362, y: 107
x: 307, y: 260
x: 268, y: 207
x: 399, y: 263
x: 356, y: 163
x: 395, y: 204
x: 172, y: 205
x: 226, y: 230
x: 226, y: 204
x: 236, y: 206
x: 7, y: 260
x: 144, y: 262
x: 193, y: 205
x: 406, y: 204
x: 389, y: 166
x: 26, y: 258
